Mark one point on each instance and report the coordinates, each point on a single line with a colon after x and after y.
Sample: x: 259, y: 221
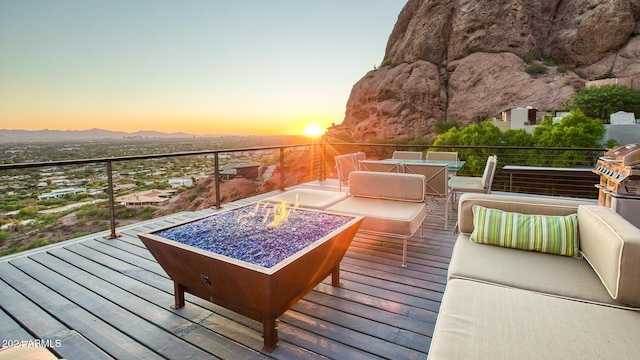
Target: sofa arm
x: 513, y: 203
x: 611, y: 245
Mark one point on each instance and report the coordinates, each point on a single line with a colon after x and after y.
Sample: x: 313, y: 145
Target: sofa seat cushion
x: 308, y: 198
x: 548, y: 234
x: 545, y: 273
x: 387, y: 216
x: 468, y: 183
x: 482, y: 321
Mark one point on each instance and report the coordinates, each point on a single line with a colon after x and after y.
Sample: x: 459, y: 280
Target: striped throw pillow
x: 548, y: 234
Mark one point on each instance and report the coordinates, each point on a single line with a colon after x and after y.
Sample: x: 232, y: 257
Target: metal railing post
x: 323, y: 169
x: 216, y: 174
x: 112, y: 209
x: 281, y: 169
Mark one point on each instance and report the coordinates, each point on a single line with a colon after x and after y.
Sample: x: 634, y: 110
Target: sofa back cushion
x: 390, y: 186
x: 543, y: 233
x: 512, y: 203
x: 611, y: 245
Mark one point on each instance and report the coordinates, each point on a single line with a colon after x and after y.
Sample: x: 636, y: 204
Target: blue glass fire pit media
x: 262, y: 234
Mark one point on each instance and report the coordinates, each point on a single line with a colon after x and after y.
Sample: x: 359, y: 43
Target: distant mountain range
x: 93, y: 134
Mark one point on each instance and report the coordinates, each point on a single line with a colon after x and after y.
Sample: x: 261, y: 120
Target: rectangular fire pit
x: 257, y: 260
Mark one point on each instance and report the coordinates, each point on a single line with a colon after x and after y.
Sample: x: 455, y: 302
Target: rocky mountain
x: 467, y: 60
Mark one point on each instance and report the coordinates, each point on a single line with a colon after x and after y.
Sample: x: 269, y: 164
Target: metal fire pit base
x: 269, y: 327
x: 260, y: 293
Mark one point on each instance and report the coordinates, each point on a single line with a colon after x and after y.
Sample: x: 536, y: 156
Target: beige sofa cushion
x: 390, y: 186
x: 612, y: 246
x: 480, y: 321
x: 512, y: 203
x: 387, y: 216
x: 550, y: 274
x: 308, y: 198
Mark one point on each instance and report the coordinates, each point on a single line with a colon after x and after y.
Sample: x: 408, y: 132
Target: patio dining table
x: 454, y: 166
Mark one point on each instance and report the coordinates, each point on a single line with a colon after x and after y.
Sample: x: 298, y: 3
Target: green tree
x: 600, y: 102
x: 574, y: 130
x: 442, y: 127
x: 483, y: 134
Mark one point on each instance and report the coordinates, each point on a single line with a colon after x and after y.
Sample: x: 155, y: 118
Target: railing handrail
x: 140, y: 157
x: 273, y: 147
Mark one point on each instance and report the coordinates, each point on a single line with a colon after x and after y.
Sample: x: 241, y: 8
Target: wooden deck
x: 92, y: 298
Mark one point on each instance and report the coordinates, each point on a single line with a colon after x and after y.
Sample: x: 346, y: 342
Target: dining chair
x: 359, y: 156
x: 380, y: 166
x: 436, y: 185
x: 462, y: 184
x: 407, y: 155
x: 442, y: 155
x: 345, y: 164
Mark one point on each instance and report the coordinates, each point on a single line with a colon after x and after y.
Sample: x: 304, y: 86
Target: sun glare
x: 313, y: 130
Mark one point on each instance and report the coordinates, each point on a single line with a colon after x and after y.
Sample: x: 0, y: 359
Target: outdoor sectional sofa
x: 507, y: 303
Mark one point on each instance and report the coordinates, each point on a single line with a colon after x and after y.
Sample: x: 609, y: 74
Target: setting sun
x: 313, y: 130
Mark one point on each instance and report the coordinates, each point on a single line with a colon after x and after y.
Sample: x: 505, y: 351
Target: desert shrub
x: 4, y: 235
x: 580, y: 74
x: 147, y: 213
x: 126, y: 213
x: 385, y: 62
x: 607, y: 75
x: 530, y: 56
x: 536, y: 69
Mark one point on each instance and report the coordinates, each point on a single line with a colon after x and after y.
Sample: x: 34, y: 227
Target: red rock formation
x: 463, y: 60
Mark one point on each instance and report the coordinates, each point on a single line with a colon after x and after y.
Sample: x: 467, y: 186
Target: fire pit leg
x: 178, y: 291
x: 335, y: 276
x: 269, y: 333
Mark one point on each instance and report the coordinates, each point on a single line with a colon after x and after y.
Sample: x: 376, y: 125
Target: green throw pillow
x: 548, y: 234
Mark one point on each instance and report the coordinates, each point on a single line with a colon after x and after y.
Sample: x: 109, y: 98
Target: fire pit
x: 257, y: 260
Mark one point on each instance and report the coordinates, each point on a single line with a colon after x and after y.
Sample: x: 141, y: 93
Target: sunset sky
x: 198, y: 66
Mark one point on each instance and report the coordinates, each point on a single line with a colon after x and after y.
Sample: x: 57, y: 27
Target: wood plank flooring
x: 110, y: 299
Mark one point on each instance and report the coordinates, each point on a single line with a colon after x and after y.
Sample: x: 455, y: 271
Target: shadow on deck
x: 97, y: 298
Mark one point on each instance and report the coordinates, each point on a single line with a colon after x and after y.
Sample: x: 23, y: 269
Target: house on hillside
x: 249, y: 171
x: 58, y: 193
x: 632, y: 82
x: 623, y: 127
x: 181, y: 181
x: 147, y: 198
x: 518, y: 117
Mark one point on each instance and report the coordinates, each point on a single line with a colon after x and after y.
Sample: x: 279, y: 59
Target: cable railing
x: 530, y: 170
x: 108, y: 162
x: 321, y: 164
